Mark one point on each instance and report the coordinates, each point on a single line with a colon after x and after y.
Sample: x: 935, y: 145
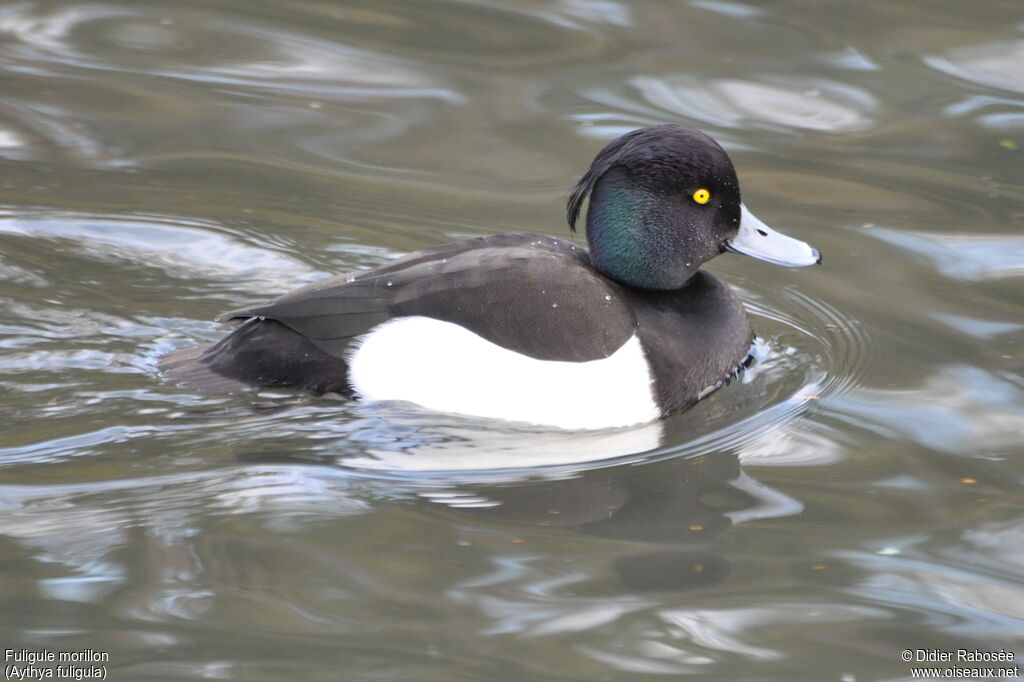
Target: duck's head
x: 665, y: 199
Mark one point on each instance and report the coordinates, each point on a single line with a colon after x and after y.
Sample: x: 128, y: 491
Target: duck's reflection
x: 668, y: 513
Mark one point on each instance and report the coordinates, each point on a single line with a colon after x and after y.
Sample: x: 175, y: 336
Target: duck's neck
x: 636, y: 237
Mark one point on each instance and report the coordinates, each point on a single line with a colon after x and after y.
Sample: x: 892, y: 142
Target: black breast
x: 693, y: 338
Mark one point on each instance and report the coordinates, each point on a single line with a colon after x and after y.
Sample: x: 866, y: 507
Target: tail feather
x: 258, y: 353
x: 185, y: 367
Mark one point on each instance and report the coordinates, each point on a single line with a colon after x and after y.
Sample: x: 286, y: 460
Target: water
x: 855, y: 494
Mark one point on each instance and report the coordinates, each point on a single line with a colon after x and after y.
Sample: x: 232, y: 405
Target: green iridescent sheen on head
x: 644, y: 227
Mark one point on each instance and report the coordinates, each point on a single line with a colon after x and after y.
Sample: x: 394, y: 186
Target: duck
x: 526, y: 327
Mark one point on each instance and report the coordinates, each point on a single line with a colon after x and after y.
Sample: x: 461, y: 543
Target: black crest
x: 606, y: 159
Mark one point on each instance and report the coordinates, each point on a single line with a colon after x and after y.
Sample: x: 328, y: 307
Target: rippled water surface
x: 856, y: 493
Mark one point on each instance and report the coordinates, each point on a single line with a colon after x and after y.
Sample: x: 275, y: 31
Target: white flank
x: 447, y: 368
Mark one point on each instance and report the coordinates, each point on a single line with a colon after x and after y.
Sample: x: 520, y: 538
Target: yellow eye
x: 702, y: 196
